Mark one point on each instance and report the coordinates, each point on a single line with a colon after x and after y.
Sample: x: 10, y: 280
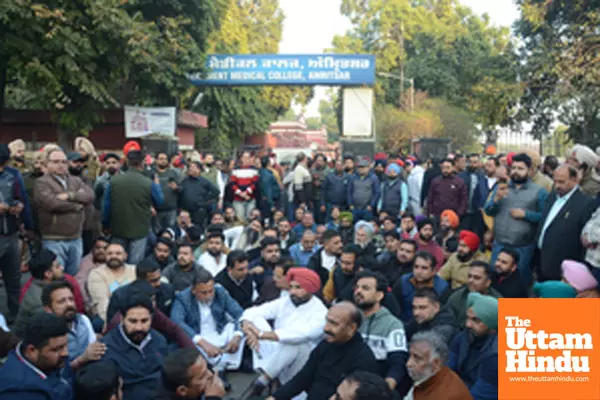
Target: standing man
x: 414, y: 181
x: 244, y: 183
x: 517, y: 211
x: 63, y: 197
x: 585, y: 160
x: 490, y: 167
x: 32, y: 370
x: 565, y: 214
x: 269, y: 190
x: 319, y: 172
x: 363, y: 192
x: 382, y: 331
x: 447, y: 192
x: 128, y: 203
x: 394, y: 192
x: 335, y: 189
x: 477, y: 193
x: 342, y: 352
x: 197, y: 195
x: 112, y: 164
x: 302, y: 183
x: 14, y: 205
x: 214, y: 175
x: 166, y: 213
x: 17, y: 156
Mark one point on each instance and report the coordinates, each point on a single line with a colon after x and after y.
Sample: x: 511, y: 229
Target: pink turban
x: 578, y: 275
x: 307, y: 279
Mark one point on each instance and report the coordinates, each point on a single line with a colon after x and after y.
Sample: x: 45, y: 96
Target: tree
x: 559, y: 59
x: 329, y: 117
x: 76, y: 57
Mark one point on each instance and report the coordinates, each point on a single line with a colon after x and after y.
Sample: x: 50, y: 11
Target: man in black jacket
x: 196, y: 194
x: 506, y: 278
x: 327, y: 258
x: 564, y: 216
x: 236, y: 279
x: 428, y: 315
x: 186, y: 375
x: 342, y: 352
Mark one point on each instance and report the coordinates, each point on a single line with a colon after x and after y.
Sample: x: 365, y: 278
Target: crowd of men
x: 153, y: 276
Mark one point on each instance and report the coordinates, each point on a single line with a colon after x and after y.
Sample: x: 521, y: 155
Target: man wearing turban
x: 299, y: 316
x: 17, y: 156
x: 394, y: 192
x: 457, y: 267
x: 474, y: 351
x: 585, y: 160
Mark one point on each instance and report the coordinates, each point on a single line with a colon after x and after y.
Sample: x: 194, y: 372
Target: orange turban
x: 131, y: 145
x: 452, y: 217
x: 307, y: 279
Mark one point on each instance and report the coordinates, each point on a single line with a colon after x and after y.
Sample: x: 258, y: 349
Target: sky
x: 310, y: 26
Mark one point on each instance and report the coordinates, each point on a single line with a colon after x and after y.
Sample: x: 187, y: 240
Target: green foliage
x: 329, y: 116
x: 450, y: 52
x: 560, y: 67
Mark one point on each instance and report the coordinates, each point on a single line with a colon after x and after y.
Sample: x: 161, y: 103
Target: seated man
x: 262, y: 267
x: 423, y: 276
x: 342, y: 352
x: 302, y: 252
x: 383, y: 332
x: 104, y: 280
x: 214, y: 258
x: 147, y: 270
x: 91, y: 261
x: 161, y: 254
x: 182, y: 274
x: 45, y: 268
x: 236, y: 279
x: 479, y: 282
x: 455, y: 270
x: 136, y: 349
x: 474, y: 351
x: 427, y: 367
x: 506, y: 278
x: 361, y: 385
x: 325, y: 259
x: 32, y: 370
x: 277, y: 285
x: 429, y: 315
x: 98, y: 381
x: 299, y: 319
x: 186, y: 375
x: 210, y: 316
x: 58, y: 299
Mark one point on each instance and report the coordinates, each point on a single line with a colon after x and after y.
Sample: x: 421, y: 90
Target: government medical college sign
x: 283, y: 69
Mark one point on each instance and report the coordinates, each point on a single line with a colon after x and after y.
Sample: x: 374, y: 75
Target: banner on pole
x: 144, y: 121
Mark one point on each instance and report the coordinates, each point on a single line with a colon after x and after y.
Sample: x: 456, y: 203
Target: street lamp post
x: 402, y: 80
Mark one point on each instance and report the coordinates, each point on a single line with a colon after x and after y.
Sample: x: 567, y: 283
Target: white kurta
x: 209, y: 263
x: 299, y: 329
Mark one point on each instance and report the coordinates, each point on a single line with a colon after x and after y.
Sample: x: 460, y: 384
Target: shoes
x: 258, y: 389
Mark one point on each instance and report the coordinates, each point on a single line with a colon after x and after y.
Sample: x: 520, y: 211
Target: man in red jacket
x: 244, y: 183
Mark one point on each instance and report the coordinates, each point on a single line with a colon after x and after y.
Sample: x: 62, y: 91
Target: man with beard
x: 197, y: 195
x: 517, y: 210
x: 210, y: 316
x: 447, y: 191
x: 319, y: 171
x: 392, y: 242
x: 91, y: 261
x: 585, y: 160
x: 427, y: 367
x: 299, y: 318
x: 383, y: 332
x: 287, y: 237
x: 327, y: 258
x: 32, y: 370
x: 426, y: 242
x: 364, y: 233
x: 474, y: 351
x: 64, y: 197
x: 104, y: 280
x: 429, y: 315
x: 308, y: 224
x: 342, y: 352
x: 455, y: 271
x: 479, y: 281
x: 408, y: 229
x: 136, y: 349
x: 17, y: 156
x: 98, y: 381
x: 236, y: 279
x: 422, y: 276
x: 45, y: 268
x: 161, y: 254
x: 169, y: 178
x: 58, y: 299
x: 507, y: 278
x: 394, y: 192
x: 181, y: 275
x: 112, y: 164
x: 214, y: 175
x: 262, y: 268
x: 214, y: 258
x: 348, y: 163
x: 401, y: 263
x: 335, y: 188
x: 449, y: 223
x: 302, y: 252
x: 477, y: 193
x: 490, y: 167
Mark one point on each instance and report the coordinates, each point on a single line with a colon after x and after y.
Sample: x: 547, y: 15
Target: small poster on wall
x: 144, y: 121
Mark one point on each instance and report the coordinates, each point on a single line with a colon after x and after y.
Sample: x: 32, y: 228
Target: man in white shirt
x: 299, y: 322
x: 324, y: 260
x: 214, y: 260
x: 302, y: 181
x: 490, y: 167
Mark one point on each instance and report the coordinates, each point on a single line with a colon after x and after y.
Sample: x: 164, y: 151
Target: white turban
x: 584, y: 154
